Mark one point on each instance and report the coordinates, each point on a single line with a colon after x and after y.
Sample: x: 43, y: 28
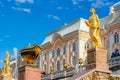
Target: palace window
x: 63, y: 61
x: 53, y: 54
x: 86, y: 46
x: 74, y: 46
x: 45, y: 56
x: 58, y: 65
x: 116, y: 38
x: 52, y: 64
x: 58, y: 52
x: 45, y: 67
x: 64, y: 50
x: 115, y: 54
x: 74, y: 60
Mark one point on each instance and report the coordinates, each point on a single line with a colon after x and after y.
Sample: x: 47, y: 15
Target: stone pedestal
x: 7, y: 78
x: 97, y: 59
x: 29, y: 73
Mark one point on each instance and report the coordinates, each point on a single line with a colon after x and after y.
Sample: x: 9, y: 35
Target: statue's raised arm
x: 94, y: 28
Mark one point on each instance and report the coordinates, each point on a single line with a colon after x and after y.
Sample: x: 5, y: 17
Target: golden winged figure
x: 94, y: 28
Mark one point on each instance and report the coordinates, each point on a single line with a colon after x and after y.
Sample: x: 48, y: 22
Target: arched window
x: 116, y: 38
x: 74, y: 46
x: 58, y: 52
x: 74, y: 60
x: 53, y: 54
x: 117, y: 53
x: 58, y: 65
x: 113, y: 55
x: 63, y: 62
x: 45, y: 56
x: 52, y: 63
x: 64, y: 50
x: 86, y: 46
x: 45, y: 67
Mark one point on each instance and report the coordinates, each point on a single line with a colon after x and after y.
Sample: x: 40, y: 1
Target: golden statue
x: 6, y: 68
x: 94, y: 28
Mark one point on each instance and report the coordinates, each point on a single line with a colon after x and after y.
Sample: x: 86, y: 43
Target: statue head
x: 92, y: 10
x: 7, y: 53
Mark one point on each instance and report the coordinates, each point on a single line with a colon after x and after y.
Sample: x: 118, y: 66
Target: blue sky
x: 24, y: 22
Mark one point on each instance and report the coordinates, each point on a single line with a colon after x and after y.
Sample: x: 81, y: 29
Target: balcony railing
x: 113, y: 62
x: 60, y: 74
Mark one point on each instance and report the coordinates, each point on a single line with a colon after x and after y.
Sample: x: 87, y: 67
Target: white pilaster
x: 80, y: 55
x: 68, y: 52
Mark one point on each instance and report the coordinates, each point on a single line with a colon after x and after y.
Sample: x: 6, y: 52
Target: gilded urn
x: 30, y: 53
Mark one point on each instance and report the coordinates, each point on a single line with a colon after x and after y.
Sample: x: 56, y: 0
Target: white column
x: 111, y: 39
x: 49, y: 57
x: 68, y: 52
x: 80, y: 54
x: 16, y: 67
x: 40, y: 61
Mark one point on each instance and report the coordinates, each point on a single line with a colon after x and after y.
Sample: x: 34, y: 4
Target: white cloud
x: 24, y: 1
x: 53, y: 1
x: 26, y: 10
x: 62, y: 8
x: 75, y: 2
x: 100, y: 3
x: 109, y: 3
x: 54, y: 17
x: 7, y: 36
x: 66, y: 8
x: 80, y: 0
x: 21, y: 1
x: 59, y: 8
x: 22, y: 9
x: 80, y: 7
x: 91, y: 0
x: 8, y: 0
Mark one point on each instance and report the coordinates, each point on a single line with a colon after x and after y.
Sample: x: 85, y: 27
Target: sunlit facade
x: 70, y: 42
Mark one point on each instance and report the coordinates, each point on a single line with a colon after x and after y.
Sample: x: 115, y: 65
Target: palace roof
x: 77, y: 25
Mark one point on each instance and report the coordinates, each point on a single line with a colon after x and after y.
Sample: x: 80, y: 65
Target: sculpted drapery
x: 94, y: 28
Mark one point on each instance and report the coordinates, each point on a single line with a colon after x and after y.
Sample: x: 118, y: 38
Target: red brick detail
x: 28, y: 73
x: 97, y: 59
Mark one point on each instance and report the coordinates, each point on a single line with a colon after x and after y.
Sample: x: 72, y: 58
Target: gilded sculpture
x: 6, y: 68
x: 30, y: 54
x: 94, y: 28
